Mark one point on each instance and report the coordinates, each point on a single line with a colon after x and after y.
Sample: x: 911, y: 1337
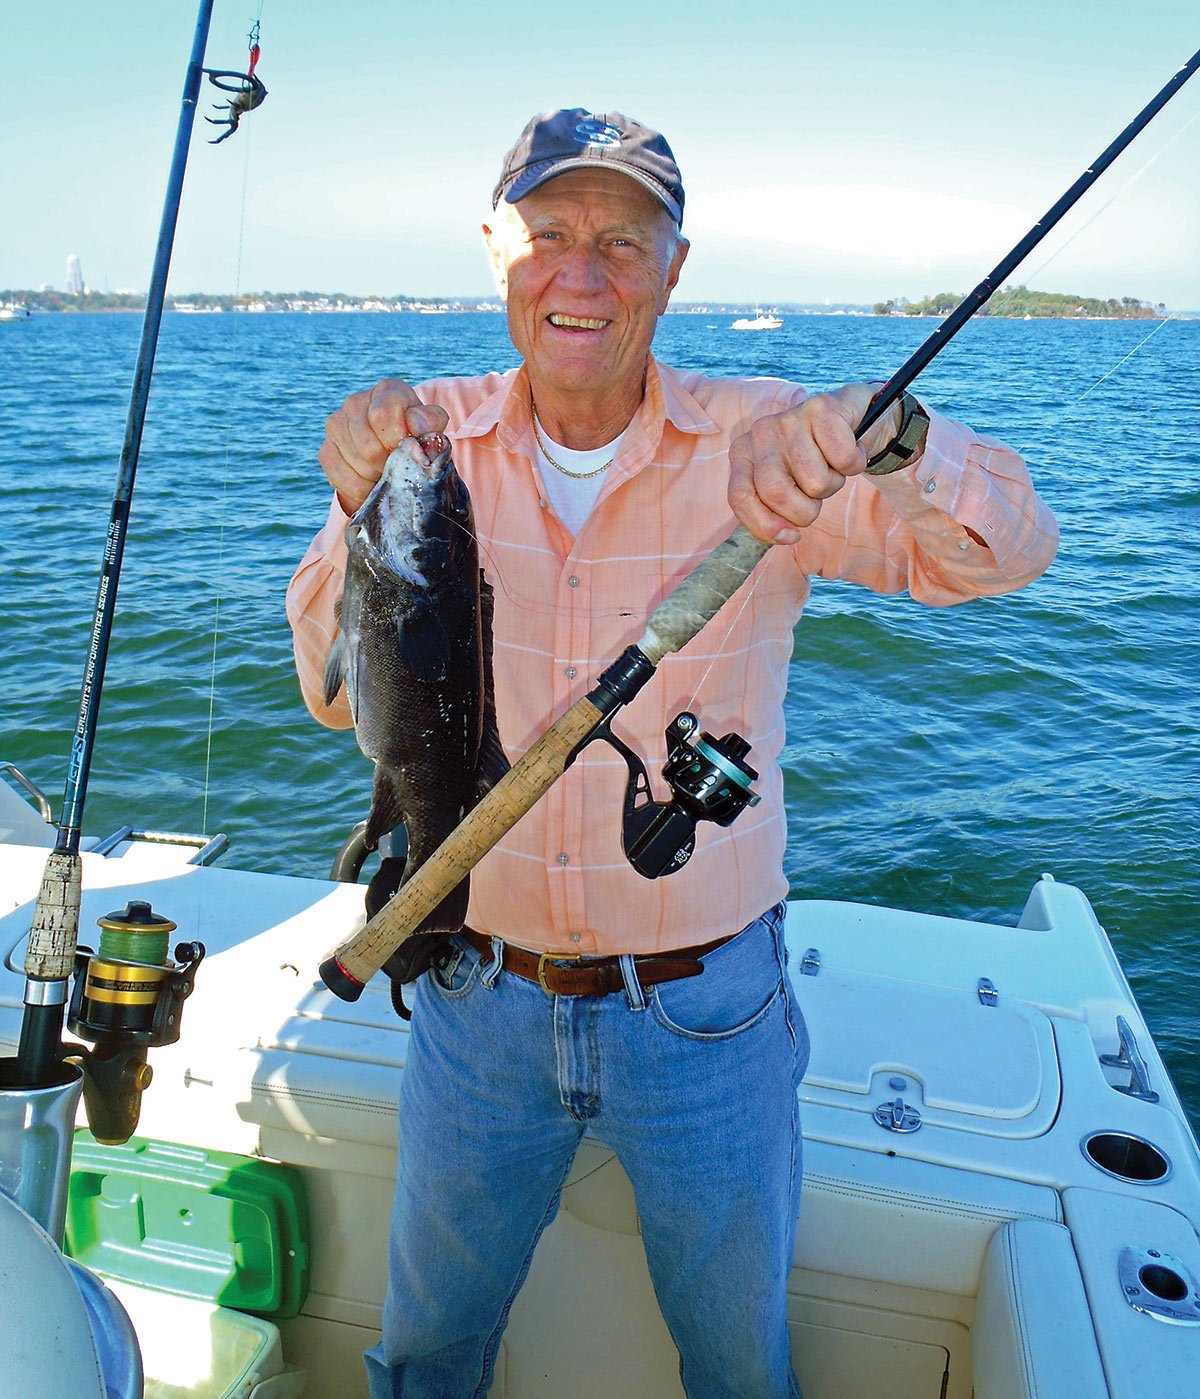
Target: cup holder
x: 1126, y: 1157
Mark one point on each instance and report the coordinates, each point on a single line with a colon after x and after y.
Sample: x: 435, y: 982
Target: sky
x: 849, y: 152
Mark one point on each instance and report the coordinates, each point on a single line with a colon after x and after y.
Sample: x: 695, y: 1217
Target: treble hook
x: 248, y: 93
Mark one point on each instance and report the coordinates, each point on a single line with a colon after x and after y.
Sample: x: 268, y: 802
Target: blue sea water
x: 937, y: 759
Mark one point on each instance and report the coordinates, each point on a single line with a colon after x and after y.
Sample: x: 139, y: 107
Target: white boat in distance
x: 759, y: 321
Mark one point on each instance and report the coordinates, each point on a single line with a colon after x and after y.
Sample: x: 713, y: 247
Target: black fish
x: 414, y: 652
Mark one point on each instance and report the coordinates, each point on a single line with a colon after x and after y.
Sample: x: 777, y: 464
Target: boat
x: 759, y: 321
x: 1001, y: 1187
x: 13, y: 312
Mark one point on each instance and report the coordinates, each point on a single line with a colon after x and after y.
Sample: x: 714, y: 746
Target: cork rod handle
x: 361, y: 955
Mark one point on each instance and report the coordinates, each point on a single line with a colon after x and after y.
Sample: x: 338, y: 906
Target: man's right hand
x: 363, y: 432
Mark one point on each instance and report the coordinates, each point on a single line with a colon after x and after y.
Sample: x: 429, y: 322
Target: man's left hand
x: 787, y: 464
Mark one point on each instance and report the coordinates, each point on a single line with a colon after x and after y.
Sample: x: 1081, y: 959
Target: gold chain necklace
x: 574, y: 475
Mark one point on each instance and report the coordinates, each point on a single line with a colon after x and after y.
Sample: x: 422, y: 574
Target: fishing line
x: 1129, y: 356
x: 720, y: 646
x: 1133, y: 179
x: 222, y: 514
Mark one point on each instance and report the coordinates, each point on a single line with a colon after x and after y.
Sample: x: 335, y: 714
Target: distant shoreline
x: 1013, y: 305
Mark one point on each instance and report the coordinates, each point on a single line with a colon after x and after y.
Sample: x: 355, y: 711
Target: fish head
x: 416, y: 525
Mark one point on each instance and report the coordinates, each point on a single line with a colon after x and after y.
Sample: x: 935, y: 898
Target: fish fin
x: 493, y: 763
x: 424, y: 645
x: 384, y: 883
x: 335, y: 668
x: 487, y: 613
x: 386, y: 809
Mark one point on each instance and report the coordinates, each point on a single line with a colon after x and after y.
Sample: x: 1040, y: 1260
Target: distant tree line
x: 80, y: 301
x: 1018, y: 303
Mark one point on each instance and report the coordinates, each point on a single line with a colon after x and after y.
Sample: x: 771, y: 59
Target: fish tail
x: 448, y: 917
x: 387, y: 810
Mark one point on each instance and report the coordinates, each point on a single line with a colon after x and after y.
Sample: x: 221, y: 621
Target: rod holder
x: 36, y: 1125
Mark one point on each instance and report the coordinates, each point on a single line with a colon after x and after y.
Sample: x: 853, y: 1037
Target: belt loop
x: 492, y: 970
x: 633, y: 987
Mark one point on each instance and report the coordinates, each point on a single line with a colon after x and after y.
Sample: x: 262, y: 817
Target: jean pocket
x: 456, y: 972
x: 740, y: 984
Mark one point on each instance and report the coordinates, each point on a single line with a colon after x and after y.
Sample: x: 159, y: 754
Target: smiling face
x: 586, y: 264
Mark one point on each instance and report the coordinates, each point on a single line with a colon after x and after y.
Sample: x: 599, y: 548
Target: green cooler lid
x: 206, y: 1224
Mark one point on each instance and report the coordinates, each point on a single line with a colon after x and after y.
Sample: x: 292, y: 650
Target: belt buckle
x: 541, y: 968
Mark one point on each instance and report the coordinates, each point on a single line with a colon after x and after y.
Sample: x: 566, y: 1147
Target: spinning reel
x: 127, y: 998
x: 709, y: 780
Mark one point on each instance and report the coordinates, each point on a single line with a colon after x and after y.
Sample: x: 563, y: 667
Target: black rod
x: 966, y: 308
x: 93, y: 679
x: 56, y: 918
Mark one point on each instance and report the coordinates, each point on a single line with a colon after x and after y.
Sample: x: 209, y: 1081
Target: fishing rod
x: 673, y: 624
x: 50, y: 954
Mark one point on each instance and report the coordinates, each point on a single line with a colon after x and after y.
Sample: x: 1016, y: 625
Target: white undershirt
x: 571, y: 491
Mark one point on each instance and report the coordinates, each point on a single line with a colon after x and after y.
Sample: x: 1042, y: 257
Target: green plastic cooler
x: 208, y: 1225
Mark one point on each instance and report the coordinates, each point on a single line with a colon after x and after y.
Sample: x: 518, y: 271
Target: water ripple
x: 936, y: 759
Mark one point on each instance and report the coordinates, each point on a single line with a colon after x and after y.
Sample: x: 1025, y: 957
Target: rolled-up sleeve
x: 918, y: 529
x: 312, y: 597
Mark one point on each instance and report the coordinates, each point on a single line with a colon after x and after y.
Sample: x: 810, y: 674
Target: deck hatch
x: 990, y: 1069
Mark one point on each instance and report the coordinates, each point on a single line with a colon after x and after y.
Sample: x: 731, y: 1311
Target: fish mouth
x: 433, y: 459
x: 436, y: 446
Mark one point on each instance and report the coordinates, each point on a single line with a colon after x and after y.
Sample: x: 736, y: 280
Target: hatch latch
x: 897, y: 1116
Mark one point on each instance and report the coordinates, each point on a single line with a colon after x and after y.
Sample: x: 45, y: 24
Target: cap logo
x: 594, y: 132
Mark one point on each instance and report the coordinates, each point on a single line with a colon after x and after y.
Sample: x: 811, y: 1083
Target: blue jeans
x: 691, y: 1083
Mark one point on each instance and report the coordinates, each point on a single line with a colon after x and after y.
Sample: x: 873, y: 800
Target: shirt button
x: 574, y: 937
x: 930, y: 486
x: 544, y: 504
x: 964, y: 543
x: 564, y: 858
x: 571, y: 672
x: 573, y: 581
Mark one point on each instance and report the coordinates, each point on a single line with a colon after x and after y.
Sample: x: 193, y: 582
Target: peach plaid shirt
x: 566, y: 607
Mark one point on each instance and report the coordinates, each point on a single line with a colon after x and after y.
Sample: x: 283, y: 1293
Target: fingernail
x: 788, y: 536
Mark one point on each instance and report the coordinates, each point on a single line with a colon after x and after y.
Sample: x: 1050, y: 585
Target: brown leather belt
x: 592, y: 976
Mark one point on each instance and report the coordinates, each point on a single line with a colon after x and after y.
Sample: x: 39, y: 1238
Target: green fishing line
x: 148, y: 947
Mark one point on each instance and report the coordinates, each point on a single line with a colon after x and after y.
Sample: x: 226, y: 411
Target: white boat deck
x: 977, y: 1251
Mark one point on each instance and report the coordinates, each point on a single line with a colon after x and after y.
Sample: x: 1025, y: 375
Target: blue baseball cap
x: 576, y: 139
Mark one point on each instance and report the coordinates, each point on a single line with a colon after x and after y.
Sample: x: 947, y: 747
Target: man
x: 599, y: 478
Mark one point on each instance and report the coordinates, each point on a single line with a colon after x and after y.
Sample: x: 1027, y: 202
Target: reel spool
x: 126, y: 998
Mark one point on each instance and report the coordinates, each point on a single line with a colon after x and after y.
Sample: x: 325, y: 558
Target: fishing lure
x: 248, y: 92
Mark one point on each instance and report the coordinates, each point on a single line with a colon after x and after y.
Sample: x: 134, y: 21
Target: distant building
x: 74, y: 275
